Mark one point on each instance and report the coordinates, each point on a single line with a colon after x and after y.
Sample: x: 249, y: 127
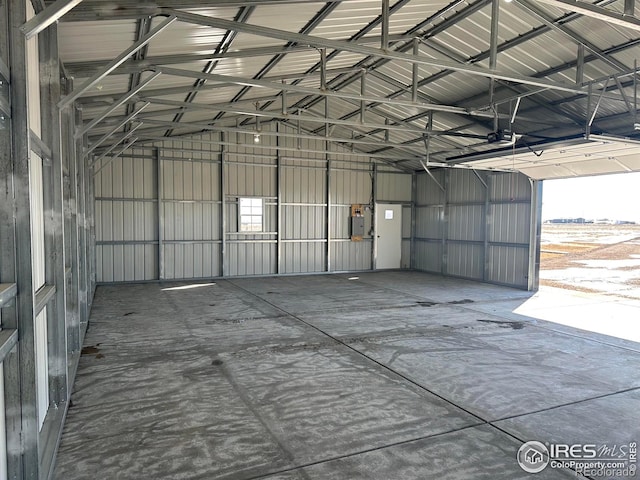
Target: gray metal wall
x: 46, y: 246
x: 476, y: 226
x: 170, y: 211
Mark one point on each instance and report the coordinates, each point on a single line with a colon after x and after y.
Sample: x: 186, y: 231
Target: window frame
x: 252, y: 215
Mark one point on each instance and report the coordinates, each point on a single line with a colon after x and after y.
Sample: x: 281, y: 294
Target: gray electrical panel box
x: 357, y: 227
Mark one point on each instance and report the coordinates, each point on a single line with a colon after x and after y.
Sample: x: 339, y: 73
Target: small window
x: 251, y: 211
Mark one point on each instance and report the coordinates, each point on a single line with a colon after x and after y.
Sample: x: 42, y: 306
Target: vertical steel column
x: 414, y: 213
x: 328, y: 197
x: 71, y: 236
x: 580, y: 65
x: 363, y: 92
x: 374, y: 195
x: 445, y: 222
x: 8, y: 274
x: 160, y: 188
x: 415, y: 71
x: 629, y: 7
x: 299, y: 130
x: 635, y: 94
x: 223, y: 208
x: 495, y: 25
x: 82, y: 228
x: 486, y: 226
x: 91, y: 246
x: 587, y: 127
x: 493, y: 55
x: 384, y: 41
x: 323, y: 69
x: 25, y: 319
x: 279, y: 203
x: 54, y: 213
x: 535, y: 234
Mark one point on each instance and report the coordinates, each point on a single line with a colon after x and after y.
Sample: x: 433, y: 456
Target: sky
x: 616, y: 197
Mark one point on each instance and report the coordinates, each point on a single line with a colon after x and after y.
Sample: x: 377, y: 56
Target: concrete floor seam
x: 406, y: 378
x: 396, y: 373
x: 368, y: 450
x: 265, y: 389
x: 568, y: 404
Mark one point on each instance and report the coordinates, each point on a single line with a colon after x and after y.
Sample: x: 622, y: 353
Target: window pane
x: 250, y: 214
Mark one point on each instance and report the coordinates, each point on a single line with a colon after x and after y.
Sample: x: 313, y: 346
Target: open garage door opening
x: 590, y: 245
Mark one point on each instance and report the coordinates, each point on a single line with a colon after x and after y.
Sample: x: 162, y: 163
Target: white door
x: 389, y: 235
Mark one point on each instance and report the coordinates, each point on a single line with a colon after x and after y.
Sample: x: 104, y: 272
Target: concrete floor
x: 395, y: 375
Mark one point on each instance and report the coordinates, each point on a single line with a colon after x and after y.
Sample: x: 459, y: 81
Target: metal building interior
x: 295, y: 212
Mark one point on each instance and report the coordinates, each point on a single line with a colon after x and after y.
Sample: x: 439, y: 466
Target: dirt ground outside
x: 592, y: 258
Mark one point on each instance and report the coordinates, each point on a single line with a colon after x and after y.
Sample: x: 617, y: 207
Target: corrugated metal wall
x: 161, y: 211
x: 190, y: 209
x: 126, y: 219
x: 509, y: 229
x: 473, y: 230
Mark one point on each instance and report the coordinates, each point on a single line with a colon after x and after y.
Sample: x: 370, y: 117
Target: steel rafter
x: 308, y: 28
x: 484, y: 55
x: 242, y: 16
x: 370, y: 51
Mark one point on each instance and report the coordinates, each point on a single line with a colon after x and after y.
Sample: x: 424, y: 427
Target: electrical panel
x: 357, y: 222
